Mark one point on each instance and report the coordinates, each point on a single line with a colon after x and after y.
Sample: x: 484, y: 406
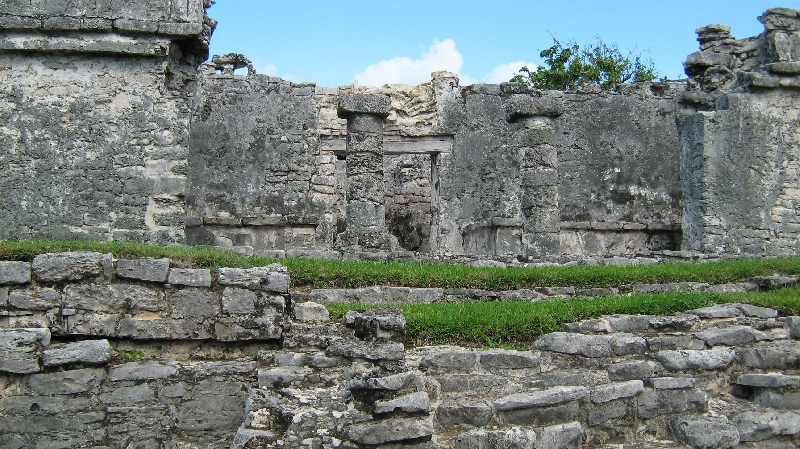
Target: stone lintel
x: 85, y: 43
x: 370, y: 104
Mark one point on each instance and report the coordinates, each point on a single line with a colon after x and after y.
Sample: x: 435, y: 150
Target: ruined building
x: 112, y: 129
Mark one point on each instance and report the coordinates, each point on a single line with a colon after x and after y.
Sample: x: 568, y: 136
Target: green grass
x: 517, y: 324
x: 309, y: 273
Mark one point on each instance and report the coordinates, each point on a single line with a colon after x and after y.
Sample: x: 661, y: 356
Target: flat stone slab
x: 69, y: 266
x: 310, y: 312
x: 272, y: 278
x: 389, y: 430
x: 703, y: 360
x: 774, y: 380
x: 190, y: 277
x: 728, y: 336
x: 611, y: 392
x: 410, y: 403
x: 706, y: 432
x: 14, y: 272
x: 594, y: 346
x: 19, y: 349
x: 373, y: 104
x: 144, y: 269
x: 363, y: 350
x: 87, y: 351
x: 542, y: 398
x: 766, y: 424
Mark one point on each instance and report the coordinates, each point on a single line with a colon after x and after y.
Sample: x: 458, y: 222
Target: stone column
x: 535, y: 115
x: 365, y: 223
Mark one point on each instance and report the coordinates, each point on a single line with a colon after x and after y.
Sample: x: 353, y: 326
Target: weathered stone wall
x: 738, y: 134
x: 94, y: 117
x: 286, y: 376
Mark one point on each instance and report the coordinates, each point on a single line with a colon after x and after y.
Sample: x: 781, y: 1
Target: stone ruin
x: 113, y: 128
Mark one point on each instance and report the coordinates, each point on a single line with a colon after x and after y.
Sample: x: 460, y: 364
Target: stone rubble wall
x: 287, y: 376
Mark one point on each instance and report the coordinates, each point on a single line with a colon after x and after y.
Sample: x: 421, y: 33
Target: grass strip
x: 517, y: 324
x: 309, y: 273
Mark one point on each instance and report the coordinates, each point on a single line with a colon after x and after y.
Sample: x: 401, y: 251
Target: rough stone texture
x: 66, y: 266
x: 704, y: 360
x: 586, y: 345
x: 389, y: 430
x: 148, y: 269
x: 706, y: 433
x: 15, y: 272
x: 190, y: 277
x: 310, y: 311
x: 19, y: 349
x: 93, y: 352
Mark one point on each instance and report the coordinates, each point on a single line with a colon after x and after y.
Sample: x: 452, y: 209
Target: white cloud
x: 505, y: 72
x: 265, y: 69
x: 401, y: 70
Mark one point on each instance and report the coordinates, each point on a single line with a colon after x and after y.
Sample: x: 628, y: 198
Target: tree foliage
x: 567, y: 66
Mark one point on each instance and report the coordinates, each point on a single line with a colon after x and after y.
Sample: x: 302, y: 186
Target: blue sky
x: 333, y: 43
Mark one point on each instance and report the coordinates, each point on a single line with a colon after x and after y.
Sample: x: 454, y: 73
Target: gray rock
x: 449, y: 359
x: 493, y: 359
x: 729, y: 336
x: 652, y: 403
x: 356, y: 349
x: 283, y: 376
x: 625, y: 344
x: 739, y: 287
x: 272, y: 278
x: 69, y: 266
x: 373, y: 104
x: 773, y: 380
x: 310, y: 312
x: 190, y: 277
x: 464, y: 411
x: 639, y: 369
x: 146, y: 370
x: 757, y: 312
x: 382, y: 323
x: 157, y: 328
x: 541, y: 416
x: 19, y: 349
x: 551, y: 396
x: 763, y: 425
x: 598, y: 414
x: 67, y: 382
x: 113, y: 298
x: 127, y: 396
x: 470, y: 382
x: 239, y: 301
x: 772, y: 355
x: 15, y: 272
x: 514, y: 438
x: 704, y: 432
x: 34, y: 298
x: 677, y: 322
x: 672, y: 383
x: 611, y: 392
x: 561, y: 436
x: 674, y: 342
x: 586, y: 345
x: 245, y: 328
x: 87, y: 351
x: 775, y: 399
x: 394, y: 382
x: 410, y: 403
x: 3, y: 297
x: 578, y: 378
x: 687, y: 360
x: 143, y: 269
x: 193, y: 303
x: 389, y: 430
x: 718, y: 311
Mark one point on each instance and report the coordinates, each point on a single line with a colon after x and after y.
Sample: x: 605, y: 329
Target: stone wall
x: 94, y: 117
x: 232, y: 360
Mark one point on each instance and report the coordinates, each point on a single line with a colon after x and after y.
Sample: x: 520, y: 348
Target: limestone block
x: 652, y: 403
x: 551, y: 396
x: 456, y: 412
x: 532, y: 105
x: 763, y: 425
x: 143, y: 370
x: 193, y: 303
x: 310, y: 311
x: 728, y: 336
x: 514, y: 438
x: 382, y: 323
x: 69, y: 266
x: 410, y: 403
x: 492, y: 359
x: 357, y: 349
x: 34, y: 299
x: 282, y: 376
x: 15, y: 272
x: 67, y: 382
x: 449, y: 359
x: 394, y: 382
x: 611, y: 392
x: 706, y: 432
x: 19, y: 349
x: 541, y: 416
x: 158, y: 328
x: 594, y: 346
x: 389, y: 430
x: 271, y: 278
x: 144, y: 269
x: 459, y: 383
x: 190, y: 277
x: 238, y: 301
x: 373, y: 104
x: 687, y: 360
x: 672, y: 383
x: 561, y: 436
x: 772, y: 355
x: 87, y: 351
x: 247, y: 329
x: 113, y: 298
x: 775, y: 399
